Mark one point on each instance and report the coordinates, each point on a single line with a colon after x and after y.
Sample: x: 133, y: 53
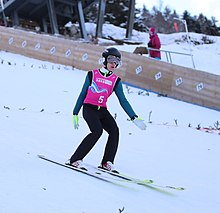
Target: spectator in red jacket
x: 154, y: 43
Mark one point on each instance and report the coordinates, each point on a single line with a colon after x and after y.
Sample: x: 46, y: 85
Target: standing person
x: 98, y: 86
x: 154, y: 43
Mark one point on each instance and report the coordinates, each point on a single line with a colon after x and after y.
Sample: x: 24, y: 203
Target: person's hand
x: 139, y: 122
x: 75, y: 120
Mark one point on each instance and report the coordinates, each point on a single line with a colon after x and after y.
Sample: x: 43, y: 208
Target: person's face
x: 111, y: 66
x: 113, y: 62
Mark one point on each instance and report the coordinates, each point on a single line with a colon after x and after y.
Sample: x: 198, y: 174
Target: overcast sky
x: 209, y: 8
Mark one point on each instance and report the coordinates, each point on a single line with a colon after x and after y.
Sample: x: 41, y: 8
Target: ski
x: 111, y: 177
x: 98, y: 173
x: 144, y: 182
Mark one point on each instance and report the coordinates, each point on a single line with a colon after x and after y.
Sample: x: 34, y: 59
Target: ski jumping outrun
x: 98, y: 86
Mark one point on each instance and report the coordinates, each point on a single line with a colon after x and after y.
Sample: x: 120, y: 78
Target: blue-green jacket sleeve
x: 82, y: 96
x: 123, y: 101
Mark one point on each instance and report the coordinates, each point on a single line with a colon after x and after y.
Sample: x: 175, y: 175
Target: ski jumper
x: 93, y: 97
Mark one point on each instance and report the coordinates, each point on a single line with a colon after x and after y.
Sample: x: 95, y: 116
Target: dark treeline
x: 117, y: 14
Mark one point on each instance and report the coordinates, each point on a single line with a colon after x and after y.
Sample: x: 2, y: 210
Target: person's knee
x: 115, y: 130
x: 97, y: 133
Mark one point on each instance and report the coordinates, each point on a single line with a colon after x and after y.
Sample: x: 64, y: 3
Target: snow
x: 37, y: 99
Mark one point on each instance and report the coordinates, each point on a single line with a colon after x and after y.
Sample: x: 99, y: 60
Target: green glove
x: 75, y: 120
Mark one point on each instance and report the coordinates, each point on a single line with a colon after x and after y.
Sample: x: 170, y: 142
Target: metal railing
x: 168, y: 55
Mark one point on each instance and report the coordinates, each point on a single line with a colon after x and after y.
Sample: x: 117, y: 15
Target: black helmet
x: 110, y: 51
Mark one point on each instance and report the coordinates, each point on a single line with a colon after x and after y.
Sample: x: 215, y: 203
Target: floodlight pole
x: 188, y: 40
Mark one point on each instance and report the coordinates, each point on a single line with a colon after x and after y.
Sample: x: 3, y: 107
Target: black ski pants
x: 97, y: 120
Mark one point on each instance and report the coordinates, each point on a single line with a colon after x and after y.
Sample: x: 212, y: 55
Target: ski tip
x: 176, y: 188
x: 181, y: 188
x: 147, y: 181
x: 41, y: 156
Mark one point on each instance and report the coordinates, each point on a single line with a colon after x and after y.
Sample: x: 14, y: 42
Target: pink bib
x: 100, y: 89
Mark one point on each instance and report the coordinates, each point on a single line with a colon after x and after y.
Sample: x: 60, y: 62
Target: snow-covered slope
x: 35, y: 118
